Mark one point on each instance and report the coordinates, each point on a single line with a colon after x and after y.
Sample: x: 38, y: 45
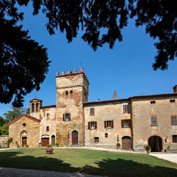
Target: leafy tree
x: 4, y: 129
x: 1, y: 121
x: 12, y: 114
x: 24, y: 63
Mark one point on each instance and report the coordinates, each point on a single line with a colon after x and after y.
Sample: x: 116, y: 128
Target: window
x: 92, y: 125
x: 71, y: 92
x: 172, y: 101
x: 96, y: 139
x: 47, y: 129
x: 152, y: 102
x: 67, y: 117
x: 109, y: 124
x: 126, y: 108
x: 92, y: 111
x: 33, y: 107
x: 106, y: 135
x: 37, y: 107
x: 154, y: 121
x: 48, y: 116
x: 173, y: 120
x: 24, y: 124
x: 174, y: 138
x: 66, y: 93
x: 126, y: 123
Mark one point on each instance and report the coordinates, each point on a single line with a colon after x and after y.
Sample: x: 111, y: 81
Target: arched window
x: 53, y: 140
x: 66, y: 93
x: 71, y: 92
x: 37, y: 107
x: 32, y: 108
x: 47, y: 129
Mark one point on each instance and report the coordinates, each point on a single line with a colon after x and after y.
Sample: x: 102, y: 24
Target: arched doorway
x: 45, y: 140
x: 53, y: 140
x: 74, y: 137
x: 155, y: 142
x: 126, y: 143
x: 24, y: 138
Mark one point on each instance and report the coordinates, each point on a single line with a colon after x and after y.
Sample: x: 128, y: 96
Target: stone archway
x: 24, y: 138
x: 155, y: 142
x: 75, y: 137
x: 126, y: 143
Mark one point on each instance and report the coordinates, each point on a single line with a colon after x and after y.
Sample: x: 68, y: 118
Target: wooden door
x: 126, y: 143
x: 44, y: 141
x: 155, y: 142
x: 74, y: 137
x: 24, y: 141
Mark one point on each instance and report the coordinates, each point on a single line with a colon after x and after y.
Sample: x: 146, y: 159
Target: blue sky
x: 127, y: 68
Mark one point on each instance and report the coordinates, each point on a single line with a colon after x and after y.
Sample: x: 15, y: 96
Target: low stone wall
x: 3, y: 139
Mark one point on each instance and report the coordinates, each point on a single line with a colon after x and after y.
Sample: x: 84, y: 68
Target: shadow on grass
x: 107, y: 167
x: 12, y: 159
x: 128, y: 168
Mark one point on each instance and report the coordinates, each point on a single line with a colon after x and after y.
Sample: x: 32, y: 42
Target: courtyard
x: 91, y: 162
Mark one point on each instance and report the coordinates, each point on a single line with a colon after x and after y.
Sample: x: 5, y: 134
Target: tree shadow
x: 108, y: 167
x: 128, y: 168
x: 13, y: 160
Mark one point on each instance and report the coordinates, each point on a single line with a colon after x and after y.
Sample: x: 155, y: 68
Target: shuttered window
x: 67, y: 117
x: 92, y: 125
x: 126, y: 123
x: 153, y: 120
x: 173, y: 120
x: 109, y: 124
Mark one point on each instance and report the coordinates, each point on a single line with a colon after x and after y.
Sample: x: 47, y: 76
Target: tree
x: 101, y: 22
x: 1, y: 121
x: 4, y: 129
x: 23, y: 62
x: 12, y: 114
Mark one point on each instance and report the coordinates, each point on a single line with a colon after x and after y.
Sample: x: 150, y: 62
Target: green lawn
x: 90, y: 162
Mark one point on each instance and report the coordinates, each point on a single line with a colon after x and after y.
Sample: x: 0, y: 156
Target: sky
x: 127, y: 68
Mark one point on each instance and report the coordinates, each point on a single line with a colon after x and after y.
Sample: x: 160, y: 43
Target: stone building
x: 128, y: 124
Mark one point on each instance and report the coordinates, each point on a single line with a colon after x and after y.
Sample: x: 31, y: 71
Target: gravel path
x: 172, y: 157
x: 14, y: 172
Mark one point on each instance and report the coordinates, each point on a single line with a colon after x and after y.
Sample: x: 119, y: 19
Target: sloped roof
x: 23, y: 115
x: 157, y: 96
x: 35, y: 99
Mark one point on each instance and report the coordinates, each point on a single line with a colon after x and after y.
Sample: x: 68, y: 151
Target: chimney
x: 75, y: 71
x: 115, y: 95
x: 69, y: 71
x: 81, y: 70
x: 175, y: 89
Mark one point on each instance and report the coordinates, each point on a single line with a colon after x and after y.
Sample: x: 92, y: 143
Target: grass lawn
x: 89, y: 161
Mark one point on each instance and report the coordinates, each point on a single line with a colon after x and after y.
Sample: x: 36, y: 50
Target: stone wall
x: 48, y: 119
x: 142, y: 111
x: 3, y: 140
x: 27, y: 126
x: 108, y: 137
x: 72, y: 91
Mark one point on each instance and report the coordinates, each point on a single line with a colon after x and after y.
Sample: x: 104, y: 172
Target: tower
x: 35, y: 105
x: 71, y: 93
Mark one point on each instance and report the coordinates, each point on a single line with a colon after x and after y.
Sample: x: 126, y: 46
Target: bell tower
x: 71, y: 93
x: 35, y: 105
